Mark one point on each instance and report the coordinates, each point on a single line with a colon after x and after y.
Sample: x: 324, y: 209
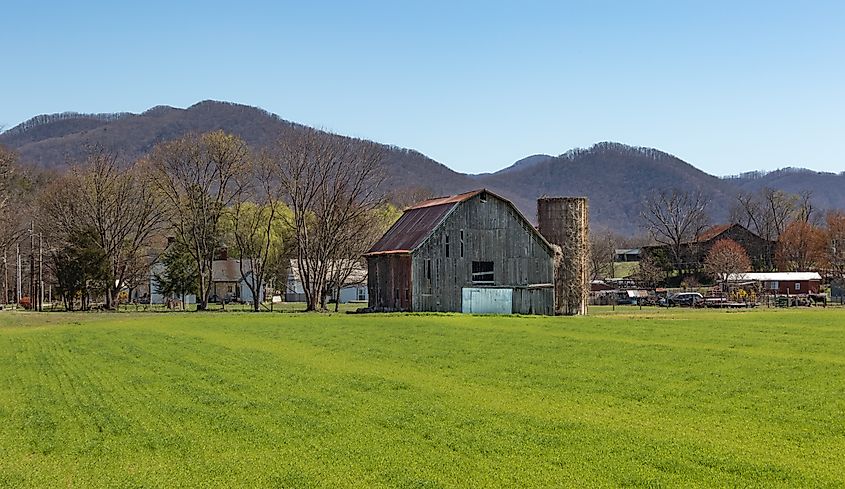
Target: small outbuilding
x: 228, y: 284
x: 626, y: 254
x: 783, y: 283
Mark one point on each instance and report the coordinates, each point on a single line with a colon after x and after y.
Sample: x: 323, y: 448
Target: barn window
x: 428, y: 269
x: 447, y: 246
x: 396, y: 294
x: 482, y: 272
x: 797, y: 285
x: 483, y: 197
x: 462, y: 243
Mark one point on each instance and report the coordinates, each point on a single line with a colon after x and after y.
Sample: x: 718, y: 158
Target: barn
x: 473, y: 252
x: 759, y: 250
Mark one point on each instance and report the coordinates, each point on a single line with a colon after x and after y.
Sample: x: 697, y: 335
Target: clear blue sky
x: 727, y: 86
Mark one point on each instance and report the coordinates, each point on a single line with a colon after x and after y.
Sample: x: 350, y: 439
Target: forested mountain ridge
x: 55, y: 142
x: 615, y: 177
x: 827, y: 189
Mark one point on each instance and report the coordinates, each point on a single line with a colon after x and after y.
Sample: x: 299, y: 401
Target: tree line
x: 797, y: 236
x: 311, y: 196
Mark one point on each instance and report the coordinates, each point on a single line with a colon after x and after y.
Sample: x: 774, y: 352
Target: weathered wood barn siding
x: 534, y: 300
x: 489, y: 229
x: 389, y: 281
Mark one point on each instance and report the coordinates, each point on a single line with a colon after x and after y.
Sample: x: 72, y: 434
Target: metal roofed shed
x: 774, y: 276
x: 784, y: 283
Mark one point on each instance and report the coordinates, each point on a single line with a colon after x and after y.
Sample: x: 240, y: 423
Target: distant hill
x: 828, y: 189
x: 615, y: 177
x: 54, y: 141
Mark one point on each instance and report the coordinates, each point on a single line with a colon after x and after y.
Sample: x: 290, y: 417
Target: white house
x: 147, y: 291
x: 354, y: 288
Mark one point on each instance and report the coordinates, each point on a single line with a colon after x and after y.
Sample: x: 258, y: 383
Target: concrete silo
x: 564, y: 221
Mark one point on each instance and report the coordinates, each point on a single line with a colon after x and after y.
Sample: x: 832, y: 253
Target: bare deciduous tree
x: 725, y: 257
x: 7, y: 161
x: 602, y: 254
x: 199, y: 176
x: 112, y: 203
x: 357, y: 239
x: 331, y: 184
x: 674, y: 219
x: 767, y: 213
x: 650, y: 273
x: 255, y: 221
x: 835, y: 221
x: 805, y: 211
x: 8, y: 229
x: 801, y: 247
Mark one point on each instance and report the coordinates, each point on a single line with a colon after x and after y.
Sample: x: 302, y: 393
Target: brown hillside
x: 615, y: 177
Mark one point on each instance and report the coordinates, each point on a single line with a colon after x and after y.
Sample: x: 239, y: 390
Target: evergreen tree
x: 180, y: 276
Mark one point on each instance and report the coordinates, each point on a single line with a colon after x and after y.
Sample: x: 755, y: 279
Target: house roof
x: 417, y: 223
x: 228, y: 270
x: 774, y: 276
x: 357, y: 276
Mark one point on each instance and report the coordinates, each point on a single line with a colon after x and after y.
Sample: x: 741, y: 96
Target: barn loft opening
x: 482, y: 273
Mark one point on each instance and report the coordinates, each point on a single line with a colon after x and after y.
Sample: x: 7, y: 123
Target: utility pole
x: 18, y: 288
x: 5, y: 278
x: 32, y: 292
x: 40, y: 271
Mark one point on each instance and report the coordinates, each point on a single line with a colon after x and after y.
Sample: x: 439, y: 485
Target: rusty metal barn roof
x: 452, y: 199
x: 713, y: 232
x: 417, y: 223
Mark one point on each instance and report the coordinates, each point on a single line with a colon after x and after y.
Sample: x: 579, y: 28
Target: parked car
x: 683, y: 299
x: 688, y: 299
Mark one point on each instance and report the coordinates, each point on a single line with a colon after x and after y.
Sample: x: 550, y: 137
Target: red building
x: 783, y: 283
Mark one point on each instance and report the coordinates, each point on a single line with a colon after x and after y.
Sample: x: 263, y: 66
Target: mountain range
x: 615, y: 177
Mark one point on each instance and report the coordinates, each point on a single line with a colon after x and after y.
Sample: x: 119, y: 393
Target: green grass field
x: 653, y: 398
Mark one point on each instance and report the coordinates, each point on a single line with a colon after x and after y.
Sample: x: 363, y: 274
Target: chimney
x: 222, y: 253
x: 564, y: 222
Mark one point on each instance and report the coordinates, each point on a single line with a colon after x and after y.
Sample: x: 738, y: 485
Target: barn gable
x: 419, y: 222
x: 483, y: 195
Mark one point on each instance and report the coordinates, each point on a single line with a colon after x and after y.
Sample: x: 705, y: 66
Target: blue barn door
x: 486, y: 301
